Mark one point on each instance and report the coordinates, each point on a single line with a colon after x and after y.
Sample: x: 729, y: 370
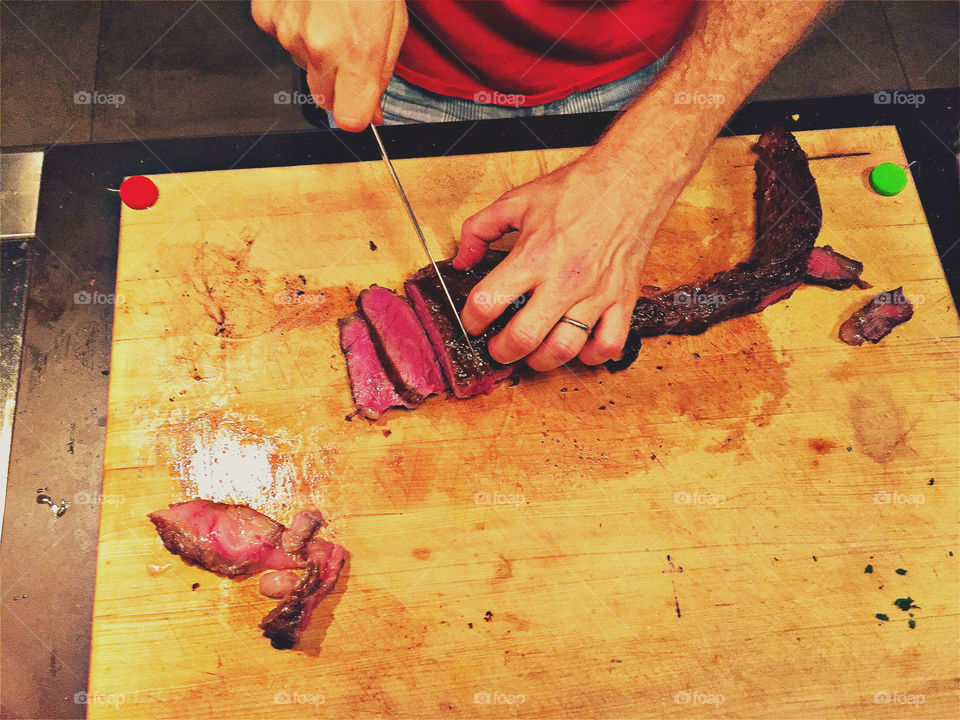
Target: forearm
x: 730, y: 48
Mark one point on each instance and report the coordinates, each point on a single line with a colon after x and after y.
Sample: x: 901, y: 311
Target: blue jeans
x: 405, y: 103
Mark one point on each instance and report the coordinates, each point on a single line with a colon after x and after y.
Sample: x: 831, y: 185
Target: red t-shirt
x: 540, y: 50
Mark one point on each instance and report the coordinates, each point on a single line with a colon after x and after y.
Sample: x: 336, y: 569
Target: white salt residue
x: 225, y: 462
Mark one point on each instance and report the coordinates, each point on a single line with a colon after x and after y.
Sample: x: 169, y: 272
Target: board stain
x: 880, y: 425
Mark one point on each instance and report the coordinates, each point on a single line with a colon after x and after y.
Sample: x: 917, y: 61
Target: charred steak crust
x: 788, y: 219
x: 467, y: 374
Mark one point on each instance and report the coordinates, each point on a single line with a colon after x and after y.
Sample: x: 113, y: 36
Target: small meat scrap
x: 828, y: 267
x: 877, y: 318
x: 237, y: 541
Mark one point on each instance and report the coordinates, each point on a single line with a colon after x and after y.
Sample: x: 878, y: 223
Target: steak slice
x: 284, y: 624
x: 402, y: 344
x: 877, y: 318
x: 236, y: 540
x: 826, y: 266
x: 788, y: 221
x: 467, y: 374
x: 373, y: 393
x: 232, y: 540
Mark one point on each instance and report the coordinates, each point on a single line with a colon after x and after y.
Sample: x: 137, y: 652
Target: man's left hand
x: 584, y: 235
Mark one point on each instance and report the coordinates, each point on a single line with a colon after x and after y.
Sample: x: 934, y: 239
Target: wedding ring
x: 576, y: 324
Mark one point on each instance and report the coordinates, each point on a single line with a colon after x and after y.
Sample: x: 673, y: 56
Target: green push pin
x: 888, y: 179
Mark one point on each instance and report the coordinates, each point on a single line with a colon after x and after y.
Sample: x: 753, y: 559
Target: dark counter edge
x: 66, y: 354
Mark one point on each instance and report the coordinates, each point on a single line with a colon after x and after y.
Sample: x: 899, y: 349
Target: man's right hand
x: 348, y: 49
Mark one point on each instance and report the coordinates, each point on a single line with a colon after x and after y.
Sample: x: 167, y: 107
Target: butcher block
x: 724, y: 529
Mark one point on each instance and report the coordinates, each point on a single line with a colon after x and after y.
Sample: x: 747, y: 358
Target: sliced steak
x: 826, y: 266
x: 236, y: 540
x: 229, y: 540
x: 402, y: 344
x: 788, y: 221
x: 467, y: 374
x: 373, y: 392
x: 877, y: 318
x: 284, y: 624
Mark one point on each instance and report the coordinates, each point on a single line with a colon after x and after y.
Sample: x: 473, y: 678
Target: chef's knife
x: 423, y: 240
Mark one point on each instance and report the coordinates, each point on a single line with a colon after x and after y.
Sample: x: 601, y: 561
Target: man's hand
x: 583, y: 240
x: 586, y: 229
x: 348, y: 49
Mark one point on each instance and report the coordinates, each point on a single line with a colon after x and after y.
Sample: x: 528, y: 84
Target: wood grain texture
x: 685, y: 539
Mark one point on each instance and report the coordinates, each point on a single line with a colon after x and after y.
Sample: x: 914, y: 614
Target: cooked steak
x: 236, y: 540
x: 467, y: 374
x: 284, y: 624
x: 877, y: 318
x: 372, y: 390
x: 788, y: 221
x: 402, y: 344
x: 828, y: 267
x: 229, y: 540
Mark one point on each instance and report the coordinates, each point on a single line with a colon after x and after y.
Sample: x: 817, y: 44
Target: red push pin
x: 138, y: 192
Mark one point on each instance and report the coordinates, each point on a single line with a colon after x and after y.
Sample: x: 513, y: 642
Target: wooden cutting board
x: 688, y: 538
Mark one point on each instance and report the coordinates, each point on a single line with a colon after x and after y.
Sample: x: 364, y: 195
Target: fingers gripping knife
x: 423, y: 240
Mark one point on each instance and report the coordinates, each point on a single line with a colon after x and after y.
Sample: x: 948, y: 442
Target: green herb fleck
x: 881, y: 616
x: 904, y: 603
x: 912, y: 624
x: 849, y: 449
x: 900, y: 571
x: 868, y: 569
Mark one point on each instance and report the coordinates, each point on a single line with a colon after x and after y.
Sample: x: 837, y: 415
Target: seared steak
x: 788, y: 221
x: 229, y: 540
x: 235, y: 540
x: 826, y: 266
x: 402, y: 344
x: 467, y: 374
x: 372, y: 390
x: 877, y: 318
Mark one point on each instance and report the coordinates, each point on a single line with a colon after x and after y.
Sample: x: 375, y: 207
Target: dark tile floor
x: 202, y: 68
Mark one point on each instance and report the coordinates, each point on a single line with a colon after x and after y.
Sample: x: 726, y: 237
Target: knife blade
x: 423, y: 240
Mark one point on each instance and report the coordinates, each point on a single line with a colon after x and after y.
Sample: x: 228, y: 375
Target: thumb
x: 485, y: 227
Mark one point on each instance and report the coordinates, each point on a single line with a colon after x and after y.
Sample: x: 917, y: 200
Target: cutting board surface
x: 688, y: 538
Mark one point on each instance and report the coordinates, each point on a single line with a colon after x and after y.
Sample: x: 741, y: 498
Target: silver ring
x: 576, y: 324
